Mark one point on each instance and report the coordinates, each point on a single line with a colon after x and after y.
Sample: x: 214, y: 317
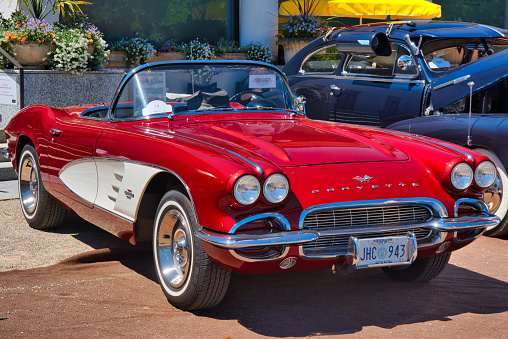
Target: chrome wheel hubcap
x: 494, y: 194
x: 174, y: 249
x: 28, y: 185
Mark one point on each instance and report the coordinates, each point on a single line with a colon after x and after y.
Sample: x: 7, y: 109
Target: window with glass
x: 324, y: 60
x: 179, y: 20
x: 378, y: 65
x: 446, y: 54
x: 200, y: 87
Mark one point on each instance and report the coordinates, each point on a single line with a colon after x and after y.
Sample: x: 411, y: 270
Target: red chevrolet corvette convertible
x: 216, y: 164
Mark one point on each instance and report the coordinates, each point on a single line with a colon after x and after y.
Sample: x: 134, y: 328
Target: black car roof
x: 431, y: 29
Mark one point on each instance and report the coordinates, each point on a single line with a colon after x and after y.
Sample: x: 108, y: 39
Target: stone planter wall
x: 61, y: 89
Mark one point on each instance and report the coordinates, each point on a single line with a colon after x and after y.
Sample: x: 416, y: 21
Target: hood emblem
x: 364, y: 179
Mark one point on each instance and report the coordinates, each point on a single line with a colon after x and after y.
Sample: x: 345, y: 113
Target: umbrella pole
x: 360, y: 20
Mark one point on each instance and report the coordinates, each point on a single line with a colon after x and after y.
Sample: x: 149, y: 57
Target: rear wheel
x: 40, y: 211
x: 423, y: 269
x: 496, y: 196
x: 187, y: 276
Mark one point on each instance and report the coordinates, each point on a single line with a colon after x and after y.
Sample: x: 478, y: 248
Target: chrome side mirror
x: 300, y: 104
x: 405, y: 62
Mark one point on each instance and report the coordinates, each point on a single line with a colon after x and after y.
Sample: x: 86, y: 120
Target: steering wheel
x: 246, y: 97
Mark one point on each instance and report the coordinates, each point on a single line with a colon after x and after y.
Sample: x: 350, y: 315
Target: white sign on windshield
x: 262, y: 81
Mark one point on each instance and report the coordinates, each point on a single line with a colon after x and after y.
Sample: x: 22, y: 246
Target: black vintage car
x: 415, y: 77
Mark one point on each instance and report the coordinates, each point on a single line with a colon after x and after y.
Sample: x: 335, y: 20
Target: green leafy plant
x: 137, y: 49
x: 257, y: 51
x: 224, y: 46
x: 196, y: 50
x: 70, y: 52
x: 39, y: 9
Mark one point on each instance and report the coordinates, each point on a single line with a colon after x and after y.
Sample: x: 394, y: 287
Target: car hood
x: 296, y: 142
x: 454, y: 85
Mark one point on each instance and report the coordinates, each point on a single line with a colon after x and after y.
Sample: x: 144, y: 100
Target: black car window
x: 323, y: 60
x: 491, y: 100
x: 372, y: 64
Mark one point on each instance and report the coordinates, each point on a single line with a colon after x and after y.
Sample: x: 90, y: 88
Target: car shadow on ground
x: 319, y: 303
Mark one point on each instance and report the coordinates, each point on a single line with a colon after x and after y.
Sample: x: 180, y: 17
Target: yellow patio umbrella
x: 368, y: 9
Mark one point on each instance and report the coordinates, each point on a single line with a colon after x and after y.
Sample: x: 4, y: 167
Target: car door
x: 374, y: 90
x: 72, y: 139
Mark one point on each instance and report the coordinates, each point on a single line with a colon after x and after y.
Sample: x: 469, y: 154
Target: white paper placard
x: 262, y: 81
x: 8, y: 91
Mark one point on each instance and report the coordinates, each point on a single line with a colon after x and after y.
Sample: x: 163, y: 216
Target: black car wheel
x: 496, y: 196
x: 423, y: 269
x: 40, y: 211
x: 187, y: 276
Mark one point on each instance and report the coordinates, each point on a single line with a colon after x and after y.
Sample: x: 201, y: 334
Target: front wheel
x: 496, y: 196
x: 187, y: 276
x: 423, y: 269
x: 40, y: 211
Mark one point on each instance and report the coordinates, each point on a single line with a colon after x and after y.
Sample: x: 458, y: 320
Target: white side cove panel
x: 121, y: 185
x: 80, y: 177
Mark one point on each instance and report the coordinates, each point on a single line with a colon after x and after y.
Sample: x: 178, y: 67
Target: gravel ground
x: 22, y: 247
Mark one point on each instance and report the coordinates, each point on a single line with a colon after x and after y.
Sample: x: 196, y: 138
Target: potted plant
x: 257, y: 51
x: 130, y: 52
x: 196, y: 50
x: 300, y: 29
x: 30, y: 41
x: 228, y: 50
x: 165, y: 50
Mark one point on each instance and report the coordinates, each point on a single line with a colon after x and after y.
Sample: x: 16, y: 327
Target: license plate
x: 384, y: 251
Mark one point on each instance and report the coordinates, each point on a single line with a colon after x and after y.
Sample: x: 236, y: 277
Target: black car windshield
x: 201, y: 87
x: 446, y: 54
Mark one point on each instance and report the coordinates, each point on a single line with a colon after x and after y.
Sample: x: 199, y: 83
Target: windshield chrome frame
x: 143, y: 67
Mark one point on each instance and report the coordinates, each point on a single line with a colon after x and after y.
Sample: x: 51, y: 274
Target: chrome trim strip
x: 279, y: 218
x: 163, y: 169
x: 483, y: 219
x: 452, y: 82
x: 256, y: 166
x: 474, y: 202
x: 469, y: 156
x: 232, y: 241
x: 366, y: 78
x: 436, y: 206
x: 113, y: 213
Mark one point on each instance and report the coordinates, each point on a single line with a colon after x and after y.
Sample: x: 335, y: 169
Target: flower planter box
x: 116, y: 60
x: 291, y: 47
x: 31, y: 54
x: 232, y: 56
x: 166, y: 56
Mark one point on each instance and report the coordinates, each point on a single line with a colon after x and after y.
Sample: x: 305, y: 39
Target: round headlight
x: 462, y: 176
x: 485, y: 174
x: 276, y: 188
x: 247, y: 189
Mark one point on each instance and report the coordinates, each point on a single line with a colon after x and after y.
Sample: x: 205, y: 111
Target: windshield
x: 447, y: 54
x: 187, y: 88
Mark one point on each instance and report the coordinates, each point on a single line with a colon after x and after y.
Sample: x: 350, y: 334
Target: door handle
x: 334, y: 88
x: 55, y: 132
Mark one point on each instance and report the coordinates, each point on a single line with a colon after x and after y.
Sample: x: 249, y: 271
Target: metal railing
x: 21, y: 77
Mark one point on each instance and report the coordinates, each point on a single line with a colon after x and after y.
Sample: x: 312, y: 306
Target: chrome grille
x: 365, y: 218
x: 344, y: 219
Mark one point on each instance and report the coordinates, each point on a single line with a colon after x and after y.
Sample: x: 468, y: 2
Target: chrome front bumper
x: 439, y: 226
x: 298, y: 237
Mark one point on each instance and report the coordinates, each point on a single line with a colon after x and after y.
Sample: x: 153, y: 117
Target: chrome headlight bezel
x: 246, y: 198
x: 270, y: 181
x: 461, y: 176
x: 485, y: 180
